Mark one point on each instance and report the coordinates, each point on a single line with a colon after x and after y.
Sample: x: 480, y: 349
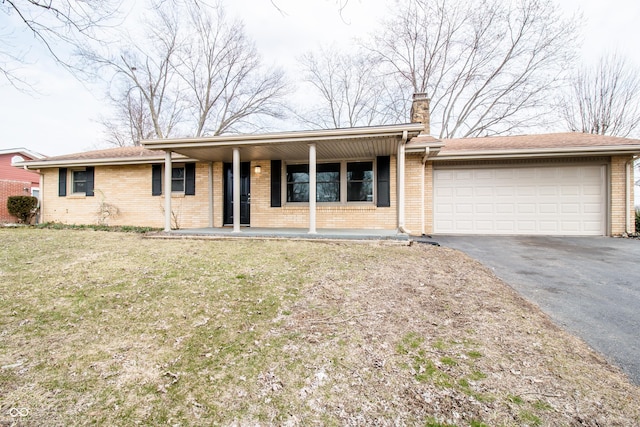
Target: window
x: 360, y: 182
x: 183, y: 179
x: 327, y: 182
x: 297, y: 183
x: 79, y: 181
x: 331, y: 181
x: 76, y: 181
x: 177, y: 179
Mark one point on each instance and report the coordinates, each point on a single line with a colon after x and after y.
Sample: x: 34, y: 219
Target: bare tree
x: 142, y: 82
x: 487, y: 68
x: 604, y: 99
x: 130, y: 110
x: 59, y: 26
x: 195, y: 73
x: 222, y: 69
x: 350, y: 89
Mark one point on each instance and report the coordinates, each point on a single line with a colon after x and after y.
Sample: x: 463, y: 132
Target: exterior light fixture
x: 258, y: 169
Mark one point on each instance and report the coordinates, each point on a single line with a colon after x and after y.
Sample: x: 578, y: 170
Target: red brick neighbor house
x: 16, y: 181
x: 394, y: 177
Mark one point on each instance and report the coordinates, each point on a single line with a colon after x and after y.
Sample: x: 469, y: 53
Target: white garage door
x: 559, y: 200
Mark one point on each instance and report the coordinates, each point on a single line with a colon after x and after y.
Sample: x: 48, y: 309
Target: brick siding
x: 8, y: 189
x: 128, y: 188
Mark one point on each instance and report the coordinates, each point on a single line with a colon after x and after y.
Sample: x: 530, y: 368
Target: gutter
x: 114, y: 161
x: 538, y: 152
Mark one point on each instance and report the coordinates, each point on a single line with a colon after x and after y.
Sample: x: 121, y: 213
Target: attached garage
x: 561, y: 199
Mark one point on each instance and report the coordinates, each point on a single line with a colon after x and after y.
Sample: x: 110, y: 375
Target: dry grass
x: 112, y: 329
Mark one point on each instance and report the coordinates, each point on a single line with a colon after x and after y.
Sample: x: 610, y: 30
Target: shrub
x: 637, y: 220
x: 22, y: 207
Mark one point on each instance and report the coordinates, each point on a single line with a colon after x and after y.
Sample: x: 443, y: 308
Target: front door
x: 245, y: 193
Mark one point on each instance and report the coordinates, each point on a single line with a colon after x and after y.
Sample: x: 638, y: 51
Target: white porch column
x: 236, y: 190
x: 210, y: 194
x: 312, y: 188
x: 167, y: 190
x: 400, y: 179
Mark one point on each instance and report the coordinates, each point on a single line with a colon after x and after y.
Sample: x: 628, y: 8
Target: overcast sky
x: 63, y: 117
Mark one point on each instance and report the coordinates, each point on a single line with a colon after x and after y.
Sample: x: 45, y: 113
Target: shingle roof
x: 541, y: 141
x: 489, y: 146
x: 110, y: 153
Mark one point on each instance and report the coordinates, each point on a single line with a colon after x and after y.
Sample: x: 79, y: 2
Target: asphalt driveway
x: 588, y: 285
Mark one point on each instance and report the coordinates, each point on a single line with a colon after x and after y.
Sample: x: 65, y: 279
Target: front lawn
x: 114, y: 329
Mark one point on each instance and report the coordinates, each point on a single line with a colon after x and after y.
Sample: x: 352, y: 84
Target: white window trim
x: 184, y: 178
x: 70, y: 182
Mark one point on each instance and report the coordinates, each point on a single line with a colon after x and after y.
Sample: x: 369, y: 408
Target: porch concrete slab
x: 293, y: 233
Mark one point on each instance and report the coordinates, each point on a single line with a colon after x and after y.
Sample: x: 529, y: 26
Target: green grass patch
x: 96, y: 227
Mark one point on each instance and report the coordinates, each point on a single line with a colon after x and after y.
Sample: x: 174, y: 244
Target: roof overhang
x: 115, y: 161
x: 333, y: 143
x: 616, y: 150
x: 22, y: 151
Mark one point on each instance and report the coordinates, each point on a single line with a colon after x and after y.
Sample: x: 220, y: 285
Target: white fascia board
x: 544, y: 152
x: 24, y: 151
x: 98, y: 162
x: 419, y: 148
x: 284, y: 137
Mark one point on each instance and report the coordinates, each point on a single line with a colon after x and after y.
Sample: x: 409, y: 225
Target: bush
x: 22, y: 207
x: 637, y: 220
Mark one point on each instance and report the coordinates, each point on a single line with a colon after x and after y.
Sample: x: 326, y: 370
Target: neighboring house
x: 16, y: 181
x: 383, y: 177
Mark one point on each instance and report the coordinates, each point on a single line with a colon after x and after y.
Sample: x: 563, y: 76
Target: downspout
x: 627, y: 198
x: 400, y: 174
x: 424, y: 166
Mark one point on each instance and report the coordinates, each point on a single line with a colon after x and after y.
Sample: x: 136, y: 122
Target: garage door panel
x: 547, y: 208
x: 484, y: 208
x: 592, y: 208
x: 483, y: 191
x: 570, y: 208
x: 560, y: 200
x: 591, y: 226
x: 464, y: 191
x: 592, y: 190
x: 570, y: 190
x: 463, y: 209
x: 504, y: 208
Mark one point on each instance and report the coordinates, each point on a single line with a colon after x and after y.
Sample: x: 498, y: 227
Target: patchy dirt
x: 437, y: 336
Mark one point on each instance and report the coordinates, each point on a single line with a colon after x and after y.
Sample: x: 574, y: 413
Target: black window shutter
x: 156, y: 180
x: 62, y: 182
x: 190, y: 179
x: 90, y: 180
x: 276, y: 181
x: 383, y: 181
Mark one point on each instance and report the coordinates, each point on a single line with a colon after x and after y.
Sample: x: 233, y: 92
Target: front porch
x: 288, y: 233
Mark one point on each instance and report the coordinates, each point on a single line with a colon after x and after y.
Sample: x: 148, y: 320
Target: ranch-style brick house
x: 393, y: 177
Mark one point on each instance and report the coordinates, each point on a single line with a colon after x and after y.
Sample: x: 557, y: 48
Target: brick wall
x: 351, y: 215
x: 127, y: 188
x: 11, y: 188
x: 618, y: 213
x: 414, y: 198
